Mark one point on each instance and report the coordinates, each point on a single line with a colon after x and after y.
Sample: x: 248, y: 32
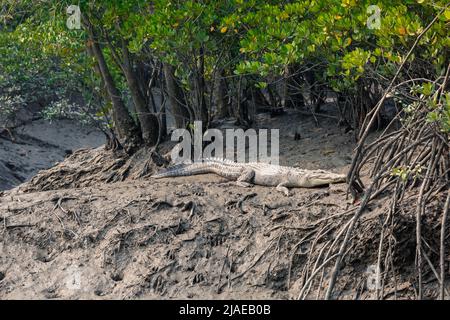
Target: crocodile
x: 255, y: 173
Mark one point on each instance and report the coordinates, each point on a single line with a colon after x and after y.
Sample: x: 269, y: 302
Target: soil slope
x: 189, y: 237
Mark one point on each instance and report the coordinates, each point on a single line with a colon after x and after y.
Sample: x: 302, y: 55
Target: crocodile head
x: 315, y: 178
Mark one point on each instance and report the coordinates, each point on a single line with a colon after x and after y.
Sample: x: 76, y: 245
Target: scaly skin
x: 247, y: 174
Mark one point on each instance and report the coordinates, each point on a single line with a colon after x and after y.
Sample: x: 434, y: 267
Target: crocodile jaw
x: 318, y: 179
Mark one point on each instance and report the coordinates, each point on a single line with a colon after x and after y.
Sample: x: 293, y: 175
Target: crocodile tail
x: 174, y: 171
x: 182, y: 169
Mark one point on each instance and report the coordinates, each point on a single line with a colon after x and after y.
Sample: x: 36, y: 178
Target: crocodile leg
x: 282, y: 188
x: 246, y: 178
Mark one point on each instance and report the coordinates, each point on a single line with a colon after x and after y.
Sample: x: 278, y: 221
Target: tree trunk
x: 241, y: 103
x: 201, y: 87
x: 125, y: 126
x: 147, y: 120
x: 163, y: 121
x: 285, y: 88
x: 220, y: 96
x: 177, y: 103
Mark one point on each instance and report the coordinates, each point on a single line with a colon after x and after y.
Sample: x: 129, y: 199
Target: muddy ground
x: 198, y: 237
x: 40, y: 144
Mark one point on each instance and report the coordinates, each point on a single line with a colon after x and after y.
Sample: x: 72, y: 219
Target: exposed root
x: 411, y: 164
x: 89, y: 167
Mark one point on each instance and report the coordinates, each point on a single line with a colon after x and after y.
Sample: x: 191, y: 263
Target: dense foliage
x: 41, y: 66
x: 226, y: 50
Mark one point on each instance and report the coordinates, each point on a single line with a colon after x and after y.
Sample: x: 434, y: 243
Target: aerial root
x: 411, y: 164
x: 401, y: 221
